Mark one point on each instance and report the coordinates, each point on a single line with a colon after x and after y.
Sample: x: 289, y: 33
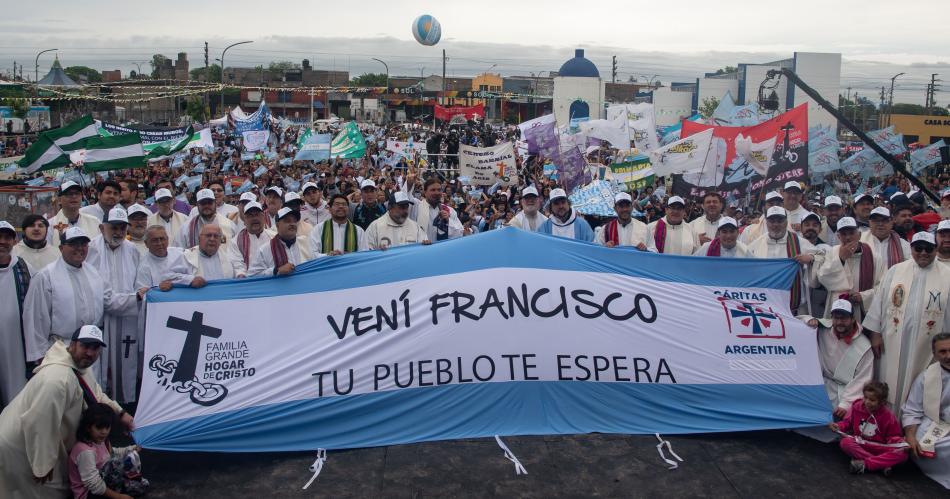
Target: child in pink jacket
x: 873, y: 432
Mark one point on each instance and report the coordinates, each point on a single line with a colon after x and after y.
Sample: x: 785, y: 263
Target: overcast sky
x: 677, y: 40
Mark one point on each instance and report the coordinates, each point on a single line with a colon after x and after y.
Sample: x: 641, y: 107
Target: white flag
x: 613, y: 131
x: 255, y: 140
x: 758, y: 154
x: 683, y: 156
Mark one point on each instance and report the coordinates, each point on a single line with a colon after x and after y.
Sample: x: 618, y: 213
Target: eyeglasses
x: 923, y: 249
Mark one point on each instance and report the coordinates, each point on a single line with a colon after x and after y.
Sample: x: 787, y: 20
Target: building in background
x: 578, y: 91
x: 923, y: 129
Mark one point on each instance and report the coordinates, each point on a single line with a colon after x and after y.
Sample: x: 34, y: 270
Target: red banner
x: 470, y: 112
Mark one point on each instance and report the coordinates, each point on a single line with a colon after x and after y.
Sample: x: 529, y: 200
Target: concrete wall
x: 669, y: 107
x: 716, y: 88
x: 823, y: 73
x: 569, y: 89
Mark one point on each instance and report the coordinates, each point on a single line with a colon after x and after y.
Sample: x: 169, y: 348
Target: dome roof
x: 579, y: 66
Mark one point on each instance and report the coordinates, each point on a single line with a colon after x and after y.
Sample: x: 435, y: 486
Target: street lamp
x: 387, y: 70
x: 139, y: 66
x: 36, y: 78
x: 890, y: 104
x: 490, y: 68
x: 225, y: 51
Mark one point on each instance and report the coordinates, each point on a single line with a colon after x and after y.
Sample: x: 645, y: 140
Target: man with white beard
x: 163, y: 266
x: 205, y: 260
x: 117, y: 261
x: 529, y: 218
x: 780, y: 242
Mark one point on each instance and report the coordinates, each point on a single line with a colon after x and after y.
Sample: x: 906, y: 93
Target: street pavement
x: 771, y: 464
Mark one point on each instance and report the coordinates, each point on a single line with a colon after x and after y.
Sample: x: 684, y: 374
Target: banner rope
x: 669, y: 447
x: 317, y: 466
x: 519, y: 469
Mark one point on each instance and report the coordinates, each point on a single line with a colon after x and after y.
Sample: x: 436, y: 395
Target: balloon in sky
x: 427, y: 30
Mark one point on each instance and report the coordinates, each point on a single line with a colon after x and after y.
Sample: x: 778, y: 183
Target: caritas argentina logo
x: 752, y: 319
x: 220, y: 361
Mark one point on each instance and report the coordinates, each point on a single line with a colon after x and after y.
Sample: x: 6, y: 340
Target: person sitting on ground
x: 93, y: 461
x: 872, y: 433
x: 926, y: 414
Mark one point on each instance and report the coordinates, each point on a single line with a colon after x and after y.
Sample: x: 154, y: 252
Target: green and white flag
x: 51, y: 147
x: 349, y: 143
x: 162, y: 150
x: 118, y: 152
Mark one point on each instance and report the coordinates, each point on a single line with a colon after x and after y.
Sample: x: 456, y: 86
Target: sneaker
x: 887, y: 471
x: 857, y: 467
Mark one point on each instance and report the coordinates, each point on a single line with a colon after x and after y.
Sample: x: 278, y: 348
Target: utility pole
x: 890, y: 103
x: 613, y: 72
x: 207, y: 97
x: 443, y: 84
x: 880, y: 112
x: 931, y: 88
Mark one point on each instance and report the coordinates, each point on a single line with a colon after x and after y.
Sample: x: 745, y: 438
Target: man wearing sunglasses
x: 909, y: 308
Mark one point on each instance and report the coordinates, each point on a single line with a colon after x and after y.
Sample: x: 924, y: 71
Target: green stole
x: 349, y: 240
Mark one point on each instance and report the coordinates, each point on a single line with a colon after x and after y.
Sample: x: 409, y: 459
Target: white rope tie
x: 669, y: 447
x: 861, y: 441
x: 519, y: 469
x: 317, y: 466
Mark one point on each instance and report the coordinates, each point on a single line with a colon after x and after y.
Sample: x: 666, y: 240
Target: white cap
x: 943, y: 225
x: 622, y: 196
x: 73, y: 233
x: 205, y: 194
x: 675, y: 199
x: 251, y: 205
x: 776, y: 211
x: 163, y: 194
x: 137, y: 208
x: 842, y: 305
x: 728, y: 221
x: 283, y: 212
x: 925, y: 237
x: 529, y: 191
x: 558, y: 194
x: 810, y: 214
x: 898, y: 194
x: 402, y: 197
x: 275, y: 189
x: 248, y: 196
x: 792, y: 184
x: 881, y: 211
x: 772, y: 195
x: 846, y: 222
x: 309, y: 185
x: 116, y: 215
x: 367, y: 184
x: 291, y: 196
x: 89, y: 334
x: 4, y: 225
x: 945, y: 192
x: 861, y: 196
x: 67, y: 185
x: 833, y: 201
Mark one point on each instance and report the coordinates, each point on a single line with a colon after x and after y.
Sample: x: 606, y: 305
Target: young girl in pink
x: 92, y: 451
x: 873, y: 432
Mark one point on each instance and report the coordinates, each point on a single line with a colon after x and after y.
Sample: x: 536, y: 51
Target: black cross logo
x: 188, y: 360
x: 128, y: 342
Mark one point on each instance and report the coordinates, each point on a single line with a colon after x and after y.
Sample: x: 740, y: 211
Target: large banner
x: 506, y: 333
x: 731, y: 174
x: 258, y: 120
x: 313, y: 146
x: 469, y: 112
x: 349, y: 143
x: 148, y: 136
x: 488, y: 165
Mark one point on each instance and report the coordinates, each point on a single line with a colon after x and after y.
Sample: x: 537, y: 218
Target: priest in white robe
x: 439, y: 221
x: 243, y: 246
x: 117, y: 261
x: 943, y: 242
x: 623, y: 230
x: 757, y: 229
x: 706, y: 226
x: 926, y: 414
x: 163, y: 266
x: 70, y: 200
x: 337, y: 235
x: 395, y: 228
x: 848, y: 269
x: 166, y: 215
x: 34, y: 247
x: 14, y: 283
x: 887, y: 246
x: 205, y: 260
x: 529, y: 218
x: 285, y: 251
x: 671, y: 235
x: 909, y: 308
x: 206, y: 214
x: 138, y: 223
x: 726, y: 243
x: 781, y: 242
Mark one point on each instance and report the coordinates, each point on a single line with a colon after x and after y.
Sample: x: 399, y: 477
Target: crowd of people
x: 874, y: 278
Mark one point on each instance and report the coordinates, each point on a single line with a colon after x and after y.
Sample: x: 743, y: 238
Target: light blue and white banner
x: 503, y: 333
x: 926, y: 156
x: 258, y: 120
x: 316, y: 147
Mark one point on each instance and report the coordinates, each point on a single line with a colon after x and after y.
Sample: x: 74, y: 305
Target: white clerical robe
x: 61, y: 299
x: 339, y: 238
x: 314, y: 214
x: 523, y: 221
x: 906, y: 335
x: 59, y: 223
x: 12, y: 360
x: 117, y: 367
x: 38, y: 258
x: 263, y: 262
x: 172, y: 226
x: 223, y: 209
x: 938, y: 467
x: 94, y: 210
x: 827, y: 233
x: 880, y: 251
x: 187, y: 240
x: 384, y: 233
x: 832, y: 352
x: 425, y: 215
x: 738, y: 251
x: 172, y: 267
x: 242, y: 261
x: 844, y: 277
x: 795, y: 216
x: 680, y: 239
x: 945, y: 261
x: 766, y: 247
x: 210, y: 267
x: 705, y: 226
x: 632, y: 234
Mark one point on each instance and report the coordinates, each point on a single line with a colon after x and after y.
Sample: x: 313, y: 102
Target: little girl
x: 96, y: 469
x: 873, y: 434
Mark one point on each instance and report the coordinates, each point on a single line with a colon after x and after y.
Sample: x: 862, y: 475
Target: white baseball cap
x: 622, y: 196
x: 861, y: 196
x: 274, y: 189
x: 727, y: 221
x: 529, y: 191
x: 923, y: 237
x: 252, y: 205
x: 897, y: 195
x: 776, y: 211
x: 4, y: 225
x: 881, y: 212
x: 833, y: 201
x: 89, y: 334
x: 285, y: 211
x: 138, y: 209
x: 943, y: 225
x: 69, y: 184
x: 309, y: 185
x: 558, y: 194
x: 809, y: 214
x: 116, y: 215
x: 675, y: 199
x: 400, y: 197
x: 772, y: 195
x: 247, y: 196
x: 205, y: 194
x: 291, y: 196
x: 367, y: 184
x: 845, y: 223
x: 945, y: 193
x: 842, y: 306
x: 163, y: 194
x: 74, y: 233
x: 792, y: 184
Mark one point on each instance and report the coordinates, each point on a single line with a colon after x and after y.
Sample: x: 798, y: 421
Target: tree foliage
x: 282, y: 66
x: 201, y: 73
x: 83, y: 73
x: 196, y: 108
x: 708, y: 107
x: 726, y: 70
x: 369, y: 80
x: 20, y: 107
x: 901, y: 108
x: 158, y: 60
